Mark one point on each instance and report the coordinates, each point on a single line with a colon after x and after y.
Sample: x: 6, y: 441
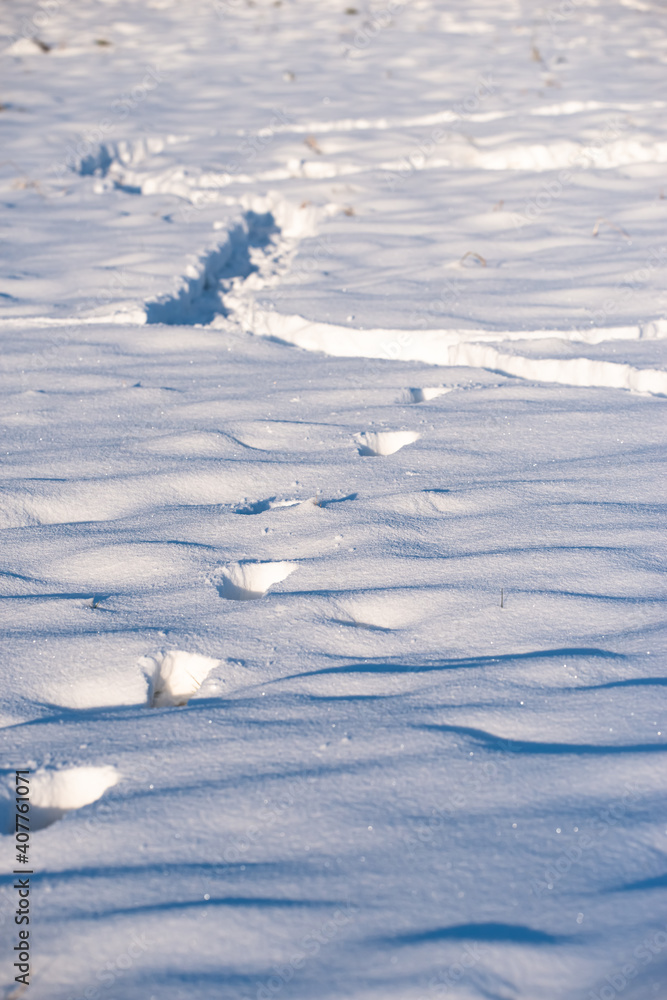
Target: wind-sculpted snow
x: 378, y: 684
x: 332, y: 498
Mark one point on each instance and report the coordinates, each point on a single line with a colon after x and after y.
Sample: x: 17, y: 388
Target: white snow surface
x: 334, y: 365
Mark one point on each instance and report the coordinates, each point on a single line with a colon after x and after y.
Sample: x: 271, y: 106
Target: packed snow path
x: 310, y: 350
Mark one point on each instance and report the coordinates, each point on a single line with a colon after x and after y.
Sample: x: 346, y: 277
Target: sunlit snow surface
x: 322, y: 327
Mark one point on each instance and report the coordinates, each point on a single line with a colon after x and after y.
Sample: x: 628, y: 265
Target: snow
x: 384, y: 442
x: 175, y: 676
x: 323, y: 329
x: 248, y: 581
x: 54, y: 793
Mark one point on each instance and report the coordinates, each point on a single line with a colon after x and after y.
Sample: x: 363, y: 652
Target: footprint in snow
x: 423, y: 395
x: 54, y: 793
x: 248, y: 581
x: 175, y: 676
x: 384, y: 442
x: 365, y: 626
x: 334, y: 500
x: 259, y: 506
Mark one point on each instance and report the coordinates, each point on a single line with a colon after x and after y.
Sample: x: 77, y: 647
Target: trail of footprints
x: 175, y: 676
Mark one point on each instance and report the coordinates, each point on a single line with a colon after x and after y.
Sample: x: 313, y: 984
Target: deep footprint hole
x: 258, y: 507
x: 55, y: 793
x: 175, y: 676
x: 423, y: 395
x: 375, y: 443
x: 248, y: 581
x: 199, y: 299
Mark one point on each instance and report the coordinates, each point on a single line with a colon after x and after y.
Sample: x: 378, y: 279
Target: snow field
x: 286, y: 742
x: 385, y: 658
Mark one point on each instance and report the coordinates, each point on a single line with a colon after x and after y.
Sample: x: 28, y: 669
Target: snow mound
x: 54, y: 793
x: 247, y: 581
x: 384, y: 442
x: 176, y: 676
